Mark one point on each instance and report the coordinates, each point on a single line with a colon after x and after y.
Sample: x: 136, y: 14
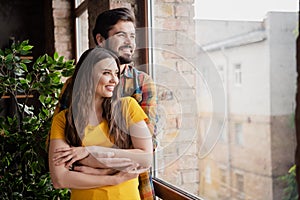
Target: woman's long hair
x: 82, y: 103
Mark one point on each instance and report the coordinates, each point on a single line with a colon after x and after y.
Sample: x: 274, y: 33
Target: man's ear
x: 100, y: 39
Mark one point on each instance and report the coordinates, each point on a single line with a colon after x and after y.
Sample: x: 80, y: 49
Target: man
x: 115, y: 30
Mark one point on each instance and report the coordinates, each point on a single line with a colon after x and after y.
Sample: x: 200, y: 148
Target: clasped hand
x: 107, y: 163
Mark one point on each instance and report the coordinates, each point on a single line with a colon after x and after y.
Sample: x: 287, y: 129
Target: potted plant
x: 30, y: 89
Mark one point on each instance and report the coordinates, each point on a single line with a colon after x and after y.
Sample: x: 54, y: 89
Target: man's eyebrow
x: 120, y: 32
x: 131, y: 33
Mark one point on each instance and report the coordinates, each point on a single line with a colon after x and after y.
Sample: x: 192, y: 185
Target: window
x: 223, y: 136
x: 82, y: 39
x: 208, y: 175
x: 82, y: 27
x: 223, y: 188
x: 238, y: 130
x: 238, y: 74
x: 188, y: 135
x: 239, y: 179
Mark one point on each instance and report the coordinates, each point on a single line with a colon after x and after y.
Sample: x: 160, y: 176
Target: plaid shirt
x: 140, y: 86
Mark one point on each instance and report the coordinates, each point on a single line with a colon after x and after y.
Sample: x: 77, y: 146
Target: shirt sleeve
x: 149, y: 102
x: 58, y: 126
x: 132, y: 111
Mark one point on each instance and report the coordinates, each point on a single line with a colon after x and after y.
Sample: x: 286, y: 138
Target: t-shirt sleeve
x: 58, y: 126
x: 133, y: 111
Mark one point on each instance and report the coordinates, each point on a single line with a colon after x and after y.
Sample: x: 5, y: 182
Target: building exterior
x: 257, y: 64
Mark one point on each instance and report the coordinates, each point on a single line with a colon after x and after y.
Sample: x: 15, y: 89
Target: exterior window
x: 82, y: 41
x: 238, y: 129
x: 78, y: 2
x: 221, y: 71
x: 208, y: 175
x: 238, y: 74
x: 239, y: 179
x: 223, y: 188
x: 184, y: 147
x: 223, y: 136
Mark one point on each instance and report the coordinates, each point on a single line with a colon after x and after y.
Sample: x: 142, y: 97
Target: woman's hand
x: 69, y: 155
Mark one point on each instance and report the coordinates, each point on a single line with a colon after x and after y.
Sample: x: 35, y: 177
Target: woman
x: 103, y: 123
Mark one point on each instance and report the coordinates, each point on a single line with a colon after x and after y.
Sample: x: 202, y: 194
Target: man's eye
x: 106, y: 73
x: 121, y: 35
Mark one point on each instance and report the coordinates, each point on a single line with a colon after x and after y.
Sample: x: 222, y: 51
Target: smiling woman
x: 97, y: 126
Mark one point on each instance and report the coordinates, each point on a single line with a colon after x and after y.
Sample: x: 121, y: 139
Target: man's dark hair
x: 107, y: 19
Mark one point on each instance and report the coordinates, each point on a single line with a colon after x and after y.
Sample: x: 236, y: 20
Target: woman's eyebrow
x: 110, y: 70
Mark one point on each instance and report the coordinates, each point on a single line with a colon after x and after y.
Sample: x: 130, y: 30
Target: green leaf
x: 61, y: 59
x: 24, y: 67
x: 26, y: 61
x: 9, y: 57
x: 41, y: 59
x: 27, y: 48
x: 55, y: 56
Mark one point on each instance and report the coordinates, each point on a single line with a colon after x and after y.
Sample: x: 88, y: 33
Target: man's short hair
x: 107, y: 19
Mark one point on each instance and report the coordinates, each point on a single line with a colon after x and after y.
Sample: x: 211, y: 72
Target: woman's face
x: 106, y: 72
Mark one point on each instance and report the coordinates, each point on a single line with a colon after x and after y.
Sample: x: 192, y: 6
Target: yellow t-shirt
x: 98, y: 135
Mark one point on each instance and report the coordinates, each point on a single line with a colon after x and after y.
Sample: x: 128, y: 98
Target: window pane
x: 217, y: 140
x: 82, y: 41
x: 78, y: 2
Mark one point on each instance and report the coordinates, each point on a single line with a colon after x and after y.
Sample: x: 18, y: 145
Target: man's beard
x: 124, y: 60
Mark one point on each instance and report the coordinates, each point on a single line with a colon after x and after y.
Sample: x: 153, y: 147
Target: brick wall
x: 63, y: 29
x: 176, y: 79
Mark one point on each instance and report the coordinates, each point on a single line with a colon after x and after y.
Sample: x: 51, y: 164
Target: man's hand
x: 106, y: 160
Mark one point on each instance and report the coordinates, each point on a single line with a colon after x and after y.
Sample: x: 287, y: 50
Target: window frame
x: 163, y: 189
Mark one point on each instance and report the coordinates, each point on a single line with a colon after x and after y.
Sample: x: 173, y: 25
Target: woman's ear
x: 100, y: 40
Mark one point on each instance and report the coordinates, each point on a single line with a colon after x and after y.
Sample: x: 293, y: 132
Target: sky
x: 250, y: 10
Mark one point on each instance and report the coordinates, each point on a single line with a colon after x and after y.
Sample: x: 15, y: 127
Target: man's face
x: 121, y: 40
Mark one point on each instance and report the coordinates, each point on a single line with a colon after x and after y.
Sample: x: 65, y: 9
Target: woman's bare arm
x: 122, y: 158
x: 63, y: 178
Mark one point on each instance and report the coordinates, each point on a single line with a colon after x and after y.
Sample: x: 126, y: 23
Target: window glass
x: 237, y: 74
x: 198, y: 60
x: 78, y: 2
x: 82, y: 42
x: 238, y: 134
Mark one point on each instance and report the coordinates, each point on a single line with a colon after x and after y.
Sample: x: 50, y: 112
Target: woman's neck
x: 96, y: 117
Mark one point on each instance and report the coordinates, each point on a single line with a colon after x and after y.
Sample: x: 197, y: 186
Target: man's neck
x: 122, y: 68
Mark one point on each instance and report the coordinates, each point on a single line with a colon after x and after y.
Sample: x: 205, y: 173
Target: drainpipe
x: 227, y: 114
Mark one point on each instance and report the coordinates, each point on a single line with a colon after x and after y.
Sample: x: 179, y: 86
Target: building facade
x: 257, y: 64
